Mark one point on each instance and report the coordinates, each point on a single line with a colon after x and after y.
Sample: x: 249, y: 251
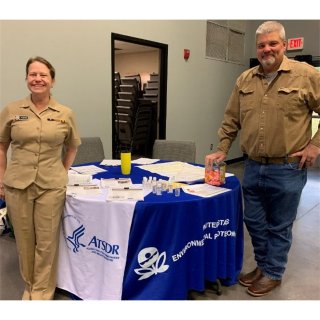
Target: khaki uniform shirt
x: 36, y: 143
x: 274, y: 119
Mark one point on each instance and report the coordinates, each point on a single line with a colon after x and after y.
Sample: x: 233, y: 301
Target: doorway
x: 139, y: 94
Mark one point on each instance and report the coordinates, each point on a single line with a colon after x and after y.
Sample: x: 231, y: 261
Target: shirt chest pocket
x: 55, y: 132
x: 24, y: 131
x: 288, y: 96
x: 247, y: 103
x: 246, y: 99
x: 290, y: 100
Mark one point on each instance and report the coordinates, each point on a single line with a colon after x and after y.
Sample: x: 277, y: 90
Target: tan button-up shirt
x: 37, y: 140
x: 275, y: 118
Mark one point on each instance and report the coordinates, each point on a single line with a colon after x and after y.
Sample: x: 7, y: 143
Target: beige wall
x: 81, y: 53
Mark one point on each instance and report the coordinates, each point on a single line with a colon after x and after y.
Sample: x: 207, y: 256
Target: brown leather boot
x: 262, y: 286
x: 248, y: 278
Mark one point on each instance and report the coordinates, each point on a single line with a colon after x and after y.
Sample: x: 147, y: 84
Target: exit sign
x: 295, y: 44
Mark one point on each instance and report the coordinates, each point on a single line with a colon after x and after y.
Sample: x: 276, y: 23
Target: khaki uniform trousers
x: 35, y: 214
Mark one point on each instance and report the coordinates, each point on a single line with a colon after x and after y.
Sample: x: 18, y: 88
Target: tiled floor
x: 301, y: 280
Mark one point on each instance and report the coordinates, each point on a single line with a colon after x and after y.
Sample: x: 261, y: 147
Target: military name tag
x: 21, y: 118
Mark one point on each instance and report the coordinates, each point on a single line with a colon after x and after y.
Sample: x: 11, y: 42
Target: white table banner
x: 93, y: 247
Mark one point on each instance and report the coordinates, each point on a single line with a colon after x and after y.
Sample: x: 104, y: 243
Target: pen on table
x: 126, y: 188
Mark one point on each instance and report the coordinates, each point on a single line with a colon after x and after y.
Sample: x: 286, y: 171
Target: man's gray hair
x: 271, y: 26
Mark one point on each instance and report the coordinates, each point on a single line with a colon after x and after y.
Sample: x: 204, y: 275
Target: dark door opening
x: 139, y: 101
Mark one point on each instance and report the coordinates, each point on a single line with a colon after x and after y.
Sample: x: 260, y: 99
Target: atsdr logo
x: 74, y: 239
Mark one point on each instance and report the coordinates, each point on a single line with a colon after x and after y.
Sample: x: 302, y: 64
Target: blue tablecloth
x: 176, y: 243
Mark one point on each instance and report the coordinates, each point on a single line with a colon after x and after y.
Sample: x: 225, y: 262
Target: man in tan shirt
x: 33, y: 184
x: 272, y: 105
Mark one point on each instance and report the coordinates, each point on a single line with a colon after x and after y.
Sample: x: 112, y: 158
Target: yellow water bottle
x: 125, y: 162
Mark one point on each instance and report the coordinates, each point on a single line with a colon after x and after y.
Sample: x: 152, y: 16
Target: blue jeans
x: 271, y: 197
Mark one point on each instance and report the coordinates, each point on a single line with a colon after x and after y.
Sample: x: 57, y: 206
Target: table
x: 172, y: 244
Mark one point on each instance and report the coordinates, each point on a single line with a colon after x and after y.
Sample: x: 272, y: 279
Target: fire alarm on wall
x: 186, y: 54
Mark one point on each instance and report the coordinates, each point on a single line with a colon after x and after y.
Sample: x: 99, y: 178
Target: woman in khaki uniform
x: 33, y: 183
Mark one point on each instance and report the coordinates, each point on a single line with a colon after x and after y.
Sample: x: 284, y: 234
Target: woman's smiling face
x: 39, y: 80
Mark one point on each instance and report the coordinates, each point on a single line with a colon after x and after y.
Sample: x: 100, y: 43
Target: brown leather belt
x: 275, y: 160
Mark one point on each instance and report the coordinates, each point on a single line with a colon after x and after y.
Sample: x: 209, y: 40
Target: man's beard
x: 268, y: 62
